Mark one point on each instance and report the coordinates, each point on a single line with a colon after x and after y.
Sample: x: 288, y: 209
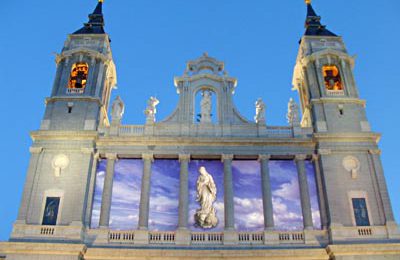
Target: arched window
x: 332, y: 78
x: 78, y: 76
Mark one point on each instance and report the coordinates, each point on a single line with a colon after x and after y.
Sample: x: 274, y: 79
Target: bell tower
x: 58, y: 190
x: 324, y: 79
x: 85, y: 76
x: 347, y: 153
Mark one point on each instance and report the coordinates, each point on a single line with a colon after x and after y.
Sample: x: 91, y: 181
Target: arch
x: 78, y: 76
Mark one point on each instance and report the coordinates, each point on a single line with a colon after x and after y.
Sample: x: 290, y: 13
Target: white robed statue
x: 205, y: 216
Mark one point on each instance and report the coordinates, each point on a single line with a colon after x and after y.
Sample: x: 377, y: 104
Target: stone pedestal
x: 393, y: 230
x: 231, y: 237
x: 141, y: 237
x: 182, y: 237
x: 271, y: 238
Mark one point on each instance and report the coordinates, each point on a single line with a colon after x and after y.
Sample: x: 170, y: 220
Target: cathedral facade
x: 205, y: 182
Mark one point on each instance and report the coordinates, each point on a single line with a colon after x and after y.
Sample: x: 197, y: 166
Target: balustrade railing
x: 206, y: 238
x: 251, y: 237
x: 291, y: 237
x: 121, y: 236
x: 161, y: 237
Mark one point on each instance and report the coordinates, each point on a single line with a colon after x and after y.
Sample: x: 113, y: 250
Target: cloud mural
x: 164, y: 194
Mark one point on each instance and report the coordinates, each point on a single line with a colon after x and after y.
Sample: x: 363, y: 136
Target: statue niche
x: 205, y: 107
x: 205, y: 216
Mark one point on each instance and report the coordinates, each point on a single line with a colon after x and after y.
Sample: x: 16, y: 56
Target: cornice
x: 72, y: 98
x: 63, y: 135
x: 345, y: 100
x: 346, y: 137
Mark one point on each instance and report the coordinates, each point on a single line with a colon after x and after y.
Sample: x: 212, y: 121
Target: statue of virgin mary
x: 205, y: 216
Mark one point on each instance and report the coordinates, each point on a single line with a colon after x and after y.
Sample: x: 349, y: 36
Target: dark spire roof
x: 96, y: 22
x: 313, y: 23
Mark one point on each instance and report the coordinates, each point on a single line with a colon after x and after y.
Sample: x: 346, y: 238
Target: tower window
x: 360, y: 211
x: 332, y: 78
x: 78, y: 77
x: 51, y: 211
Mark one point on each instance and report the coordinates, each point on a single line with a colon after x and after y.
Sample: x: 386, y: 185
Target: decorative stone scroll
x: 59, y: 163
x: 352, y: 165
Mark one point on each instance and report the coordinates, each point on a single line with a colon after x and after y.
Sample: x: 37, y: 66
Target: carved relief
x: 352, y: 165
x: 59, y: 163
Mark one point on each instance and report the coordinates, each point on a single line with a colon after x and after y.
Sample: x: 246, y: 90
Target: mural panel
x: 247, y: 195
x: 125, y: 195
x: 164, y: 195
x: 206, y: 195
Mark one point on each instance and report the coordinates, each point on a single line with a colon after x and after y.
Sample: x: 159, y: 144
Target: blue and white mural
x: 164, y: 194
x: 125, y: 194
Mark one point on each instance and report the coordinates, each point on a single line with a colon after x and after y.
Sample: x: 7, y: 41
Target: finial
x: 101, y: 1
x: 307, y: 2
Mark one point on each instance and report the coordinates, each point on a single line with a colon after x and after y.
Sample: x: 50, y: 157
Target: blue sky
x: 152, y: 40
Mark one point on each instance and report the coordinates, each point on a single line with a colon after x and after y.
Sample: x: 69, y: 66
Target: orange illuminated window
x: 332, y: 78
x: 78, y: 77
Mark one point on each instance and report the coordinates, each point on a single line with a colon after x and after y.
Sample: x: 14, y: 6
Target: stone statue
x: 293, y: 116
x: 260, y: 112
x: 205, y: 105
x: 117, y: 110
x: 151, y: 110
x: 205, y: 217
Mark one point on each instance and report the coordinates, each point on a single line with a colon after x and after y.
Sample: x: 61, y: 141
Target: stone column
x: 266, y: 193
x: 30, y: 176
x: 145, y: 192
x: 321, y: 193
x: 107, y: 191
x: 183, y: 191
x: 304, y: 192
x: 230, y: 236
x: 228, y: 192
x: 183, y: 233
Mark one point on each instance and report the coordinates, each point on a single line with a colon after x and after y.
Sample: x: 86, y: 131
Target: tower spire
x: 95, y: 25
x: 313, y: 23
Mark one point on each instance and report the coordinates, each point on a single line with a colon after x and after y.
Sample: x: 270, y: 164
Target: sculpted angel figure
x: 151, y: 110
x: 205, y: 217
x: 260, y: 111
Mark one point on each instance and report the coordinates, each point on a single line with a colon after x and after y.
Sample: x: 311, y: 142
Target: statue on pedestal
x: 293, y: 116
x: 205, y: 217
x: 117, y: 110
x: 151, y: 110
x: 205, y: 105
x: 260, y: 112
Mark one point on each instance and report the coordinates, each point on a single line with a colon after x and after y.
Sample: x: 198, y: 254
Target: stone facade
x: 333, y: 133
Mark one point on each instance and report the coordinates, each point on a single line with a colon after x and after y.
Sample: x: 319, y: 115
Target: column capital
x: 35, y: 149
x: 226, y: 157
x: 184, y: 157
x: 148, y: 156
x: 375, y: 151
x: 315, y: 157
x: 300, y: 157
x: 111, y: 156
x: 262, y: 157
x: 324, y: 151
